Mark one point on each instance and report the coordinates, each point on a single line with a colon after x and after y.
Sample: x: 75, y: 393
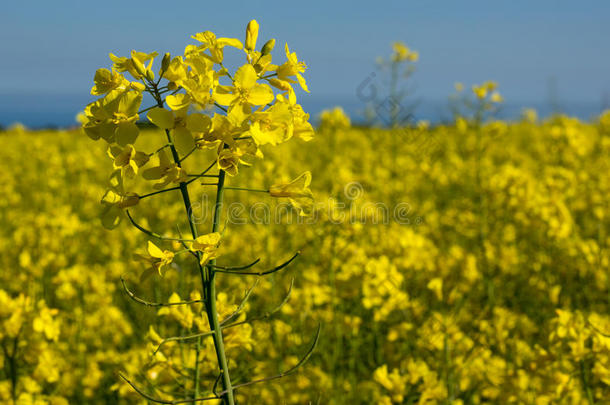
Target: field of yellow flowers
x: 450, y: 264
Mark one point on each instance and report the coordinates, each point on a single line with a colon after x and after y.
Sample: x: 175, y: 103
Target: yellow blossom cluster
x: 474, y: 270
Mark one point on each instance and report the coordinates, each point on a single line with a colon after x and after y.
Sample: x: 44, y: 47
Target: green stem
x: 159, y: 192
x: 256, y: 190
x: 207, y: 280
x: 12, y: 368
x: 585, y: 383
x: 211, y: 301
x: 394, y: 95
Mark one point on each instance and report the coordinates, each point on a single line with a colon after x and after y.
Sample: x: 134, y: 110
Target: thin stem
x: 188, y: 154
x: 159, y: 192
x: 259, y: 273
x: 226, y: 392
x: 227, y: 71
x: 159, y: 150
x: 151, y: 233
x: 256, y: 190
x: 187, y: 206
x: 207, y: 280
x: 203, y: 173
x: 291, y: 369
x: 221, y: 107
x: 139, y: 300
x: 585, y: 383
x: 211, y: 302
x: 146, y: 109
x: 181, y: 338
x: 163, y: 401
x: 246, y: 266
x: 241, y: 305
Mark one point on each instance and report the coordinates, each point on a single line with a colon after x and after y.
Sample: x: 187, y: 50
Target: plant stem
x: 211, y: 301
x: 246, y: 189
x: 585, y: 383
x: 207, y: 279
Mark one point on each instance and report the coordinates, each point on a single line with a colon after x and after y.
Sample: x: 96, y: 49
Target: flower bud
x: 150, y: 75
x: 251, y: 35
x: 280, y: 84
x: 165, y: 63
x: 268, y: 47
x: 138, y: 67
x: 128, y: 200
x: 137, y: 86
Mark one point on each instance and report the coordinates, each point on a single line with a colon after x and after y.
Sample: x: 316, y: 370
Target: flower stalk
x: 208, y: 279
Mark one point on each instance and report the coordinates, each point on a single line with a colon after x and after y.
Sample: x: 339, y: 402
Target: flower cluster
x: 201, y: 106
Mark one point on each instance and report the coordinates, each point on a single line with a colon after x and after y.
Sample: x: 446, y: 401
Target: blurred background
x: 549, y: 54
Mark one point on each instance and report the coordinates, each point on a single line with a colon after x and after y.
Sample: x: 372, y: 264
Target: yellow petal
x: 154, y: 251
x: 260, y: 94
x: 235, y: 43
x: 111, y: 217
x: 126, y: 133
x: 301, y: 80
x: 198, y: 122
x: 246, y: 76
x: 223, y: 95
x: 178, y: 101
x: 129, y: 103
x: 161, y: 117
x: 183, y: 140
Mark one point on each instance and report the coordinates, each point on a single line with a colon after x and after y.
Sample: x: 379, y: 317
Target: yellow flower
x: 166, y: 171
x: 113, y: 117
x: 496, y: 97
x: 115, y: 200
x: 127, y: 159
x: 135, y: 65
x: 176, y: 72
x: 215, y: 45
x: 180, y: 313
x: 272, y: 126
x: 45, y: 322
x: 207, y: 245
x: 297, y: 191
x: 292, y: 67
x: 300, y: 126
x: 393, y: 382
x: 479, y: 91
x: 436, y: 286
x: 245, y: 90
x: 157, y: 258
x: 183, y: 127
x: 402, y: 53
x: 335, y: 119
x: 105, y: 81
x: 229, y: 160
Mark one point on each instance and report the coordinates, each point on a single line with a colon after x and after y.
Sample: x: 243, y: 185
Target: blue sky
x: 50, y: 50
